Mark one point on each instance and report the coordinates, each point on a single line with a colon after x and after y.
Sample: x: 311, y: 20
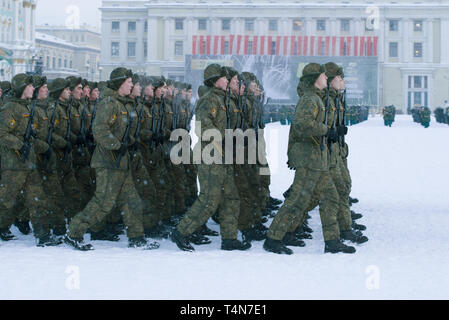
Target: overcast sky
x: 64, y: 12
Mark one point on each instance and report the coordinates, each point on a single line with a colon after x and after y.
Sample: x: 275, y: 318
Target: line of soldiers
x: 442, y: 115
x: 421, y: 115
x: 317, y: 151
x: 356, y: 114
x: 388, y: 113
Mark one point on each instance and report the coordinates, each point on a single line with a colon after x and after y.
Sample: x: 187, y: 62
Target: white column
x: 381, y: 41
x: 152, y: 38
x: 428, y: 44
x: 167, y: 31
x: 406, y: 45
x: 188, y: 45
x: 444, y: 35
x: 309, y: 26
x: 140, y: 38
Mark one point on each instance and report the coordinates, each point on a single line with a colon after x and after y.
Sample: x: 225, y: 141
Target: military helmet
x: 74, y: 81
x: 333, y: 70
x: 311, y: 72
x: 158, y: 82
x: 169, y: 82
x: 230, y: 72
x: 135, y: 78
x: 188, y: 86
x: 85, y: 82
x: 118, y: 76
x: 5, y: 86
x: 19, y: 83
x: 93, y: 85
x: 202, y: 90
x: 212, y: 73
x: 57, y: 86
x: 39, y: 81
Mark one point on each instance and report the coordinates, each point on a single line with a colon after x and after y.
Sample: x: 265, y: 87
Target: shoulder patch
x: 315, y: 111
x: 12, y: 123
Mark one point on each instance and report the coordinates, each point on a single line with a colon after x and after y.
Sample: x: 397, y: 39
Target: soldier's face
x: 252, y: 87
x: 86, y: 91
x: 189, y: 94
x: 137, y: 89
x: 222, y: 83
x: 28, y: 92
x: 321, y: 82
x: 234, y: 84
x: 183, y: 93
x: 170, y: 90
x: 343, y: 84
x: 77, y: 91
x: 336, y: 83
x: 1, y: 92
x: 94, y: 94
x: 65, y: 95
x: 43, y: 92
x: 242, y: 89
x: 159, y: 92
x: 125, y: 88
x: 149, y: 91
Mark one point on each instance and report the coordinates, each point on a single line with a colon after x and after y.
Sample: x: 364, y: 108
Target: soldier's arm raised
x: 105, y: 118
x: 7, y: 125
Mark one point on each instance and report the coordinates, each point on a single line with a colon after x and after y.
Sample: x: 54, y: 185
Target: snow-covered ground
x: 401, y: 177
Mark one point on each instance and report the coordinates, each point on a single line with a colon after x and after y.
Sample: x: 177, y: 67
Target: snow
x: 400, y: 175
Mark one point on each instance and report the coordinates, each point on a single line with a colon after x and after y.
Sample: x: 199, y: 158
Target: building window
x: 250, y: 47
x: 417, y: 49
x: 179, y: 24
x: 179, y: 48
x: 321, y: 25
x: 65, y: 63
x: 394, y: 25
x: 297, y: 25
x: 393, y: 49
x: 131, y: 49
x: 273, y: 25
x: 53, y: 63
x: 202, y: 24
x: 226, y: 24
x: 417, y: 25
x: 59, y: 63
x: 115, y: 27
x: 417, y: 91
x: 131, y: 26
x: 145, y: 27
x: 145, y: 49
x: 48, y: 62
x: 115, y: 49
x: 344, y: 26
x: 249, y: 24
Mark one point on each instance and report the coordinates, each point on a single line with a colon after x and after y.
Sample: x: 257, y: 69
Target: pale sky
x: 63, y: 12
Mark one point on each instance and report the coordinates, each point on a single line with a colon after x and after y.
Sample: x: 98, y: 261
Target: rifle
x: 90, y: 133
x: 46, y: 156
x: 243, y: 127
x: 334, y: 123
x: 326, y: 116
x: 125, y: 140
x: 68, y: 148
x: 26, y: 148
x: 83, y: 126
x: 228, y: 107
x: 344, y: 115
x: 139, y: 119
x: 154, y: 123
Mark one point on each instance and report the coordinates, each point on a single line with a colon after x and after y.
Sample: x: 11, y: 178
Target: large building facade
x: 409, y: 39
x: 17, y: 52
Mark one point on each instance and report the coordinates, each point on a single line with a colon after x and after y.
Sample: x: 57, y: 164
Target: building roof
x: 53, y: 40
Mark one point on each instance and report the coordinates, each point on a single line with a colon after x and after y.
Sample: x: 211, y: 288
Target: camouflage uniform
x: 115, y: 185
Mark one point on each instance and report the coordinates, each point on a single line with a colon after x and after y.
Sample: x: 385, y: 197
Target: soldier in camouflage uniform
x: 309, y: 156
x: 388, y: 113
x: 217, y: 186
x: 18, y: 165
x: 115, y: 185
x: 5, y: 87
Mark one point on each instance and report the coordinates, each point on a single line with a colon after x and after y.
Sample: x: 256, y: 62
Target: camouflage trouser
x: 306, y: 183
x: 115, y: 188
x: 178, y: 186
x: 344, y: 213
x: 247, y: 187
x: 147, y: 191
x: 191, y: 171
x: 84, y: 174
x: 56, y: 200
x: 346, y: 175
x: 217, y: 192
x: 17, y: 186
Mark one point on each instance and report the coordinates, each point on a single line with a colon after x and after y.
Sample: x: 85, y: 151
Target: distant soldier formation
x: 421, y: 115
x: 442, y: 113
x: 388, y: 113
x: 82, y: 157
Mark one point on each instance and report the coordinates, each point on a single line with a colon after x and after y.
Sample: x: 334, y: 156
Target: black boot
x: 234, y: 244
x: 115, y: 228
x: 198, y: 239
x: 353, y: 236
x: 274, y: 201
x: 264, y: 220
x: 59, y: 231
x: 205, y: 231
x: 355, y: 216
x: 335, y: 246
x: 266, y: 212
x: 181, y: 241
x: 215, y: 218
x: 291, y: 240
x: 306, y: 228
x: 353, y: 200
x: 287, y: 193
x: 78, y: 244
x: 104, y: 235
x: 276, y: 246
x: 358, y: 226
x: 140, y: 242
x: 254, y: 234
x: 48, y: 241
x: 6, y: 235
x: 23, y: 226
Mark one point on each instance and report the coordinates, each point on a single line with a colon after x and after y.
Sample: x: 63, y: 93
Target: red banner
x: 208, y: 44
x: 239, y: 43
x: 231, y: 44
x: 348, y: 48
x: 356, y: 46
x: 319, y: 45
x: 269, y: 45
x: 255, y: 41
x: 215, y: 44
x: 362, y: 46
x: 327, y: 41
x: 201, y: 44
x: 342, y: 46
x: 292, y: 46
x: 285, y: 45
x: 305, y: 46
x: 334, y: 46
x: 368, y: 46
x: 222, y: 49
x: 375, y: 46
x: 245, y: 48
x: 262, y: 45
x: 194, y: 45
x: 278, y: 45
x: 300, y: 45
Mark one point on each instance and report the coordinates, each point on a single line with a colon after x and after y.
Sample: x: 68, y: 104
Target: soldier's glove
x: 24, y: 152
x: 342, y: 130
x: 332, y: 135
x: 80, y: 140
x: 289, y: 166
